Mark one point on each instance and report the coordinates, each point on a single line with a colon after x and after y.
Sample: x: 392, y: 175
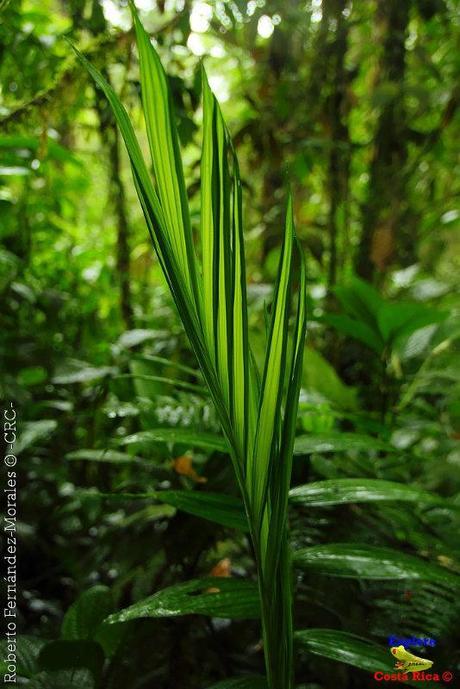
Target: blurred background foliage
x: 355, y: 105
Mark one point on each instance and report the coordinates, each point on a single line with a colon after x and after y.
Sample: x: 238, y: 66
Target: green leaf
x: 399, y: 319
x: 319, y: 375
x: 35, y: 143
x: 345, y: 648
x: 166, y: 159
x: 213, y: 596
x: 356, y: 329
x: 156, y: 222
x: 273, y: 380
x: 242, y: 683
x: 169, y: 363
x: 84, y: 617
x: 360, y: 299
x: 81, y: 373
x: 132, y: 338
x: 370, y: 562
x: 67, y: 655
x: 32, y: 375
x: 350, y: 490
x: 104, y: 456
x: 63, y: 679
x: 216, y: 507
x: 27, y: 652
x: 178, y: 436
x: 339, y: 442
x: 33, y: 431
x: 223, y: 276
x: 175, y: 382
x: 212, y: 306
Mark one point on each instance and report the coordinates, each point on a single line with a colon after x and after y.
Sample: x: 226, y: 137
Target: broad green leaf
x: 357, y: 330
x: 360, y: 299
x: 216, y: 507
x: 132, y: 338
x: 31, y: 432
x: 345, y: 648
x: 63, y: 679
x: 49, y: 147
x: 149, y: 513
x: 339, y: 442
x: 213, y: 596
x: 78, y: 372
x: 112, y: 636
x: 242, y: 683
x: 370, y: 562
x: 178, y: 436
x: 27, y: 652
x: 350, y: 490
x: 68, y: 655
x: 403, y: 318
x: 104, y: 456
x: 32, y: 375
x: 353, y: 650
x: 319, y: 375
x: 416, y: 344
x: 84, y: 617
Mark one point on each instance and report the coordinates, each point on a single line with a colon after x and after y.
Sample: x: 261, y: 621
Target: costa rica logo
x: 408, y: 661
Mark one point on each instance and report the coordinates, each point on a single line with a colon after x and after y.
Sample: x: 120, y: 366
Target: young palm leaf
x: 258, y: 419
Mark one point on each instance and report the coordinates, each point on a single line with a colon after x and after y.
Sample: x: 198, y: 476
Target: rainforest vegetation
x: 230, y: 367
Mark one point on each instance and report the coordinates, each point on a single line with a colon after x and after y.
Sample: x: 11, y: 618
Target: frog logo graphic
x: 408, y: 662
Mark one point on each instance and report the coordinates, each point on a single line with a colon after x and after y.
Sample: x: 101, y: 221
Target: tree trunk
x: 110, y: 138
x: 384, y: 210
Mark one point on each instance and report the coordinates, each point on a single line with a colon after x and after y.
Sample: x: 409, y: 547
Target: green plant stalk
x: 276, y: 597
x: 258, y: 417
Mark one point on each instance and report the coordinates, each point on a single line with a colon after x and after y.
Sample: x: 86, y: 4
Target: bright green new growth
x: 258, y: 419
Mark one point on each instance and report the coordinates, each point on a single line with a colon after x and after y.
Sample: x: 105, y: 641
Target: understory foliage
x: 209, y: 498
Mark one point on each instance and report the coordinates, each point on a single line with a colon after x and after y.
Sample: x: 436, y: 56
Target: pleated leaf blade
x: 166, y: 158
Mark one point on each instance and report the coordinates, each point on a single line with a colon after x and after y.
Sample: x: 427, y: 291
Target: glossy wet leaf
x: 350, y: 490
x: 104, y: 457
x: 370, y: 562
x: 212, y: 596
x: 345, y: 648
x: 178, y: 436
x: 338, y: 442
